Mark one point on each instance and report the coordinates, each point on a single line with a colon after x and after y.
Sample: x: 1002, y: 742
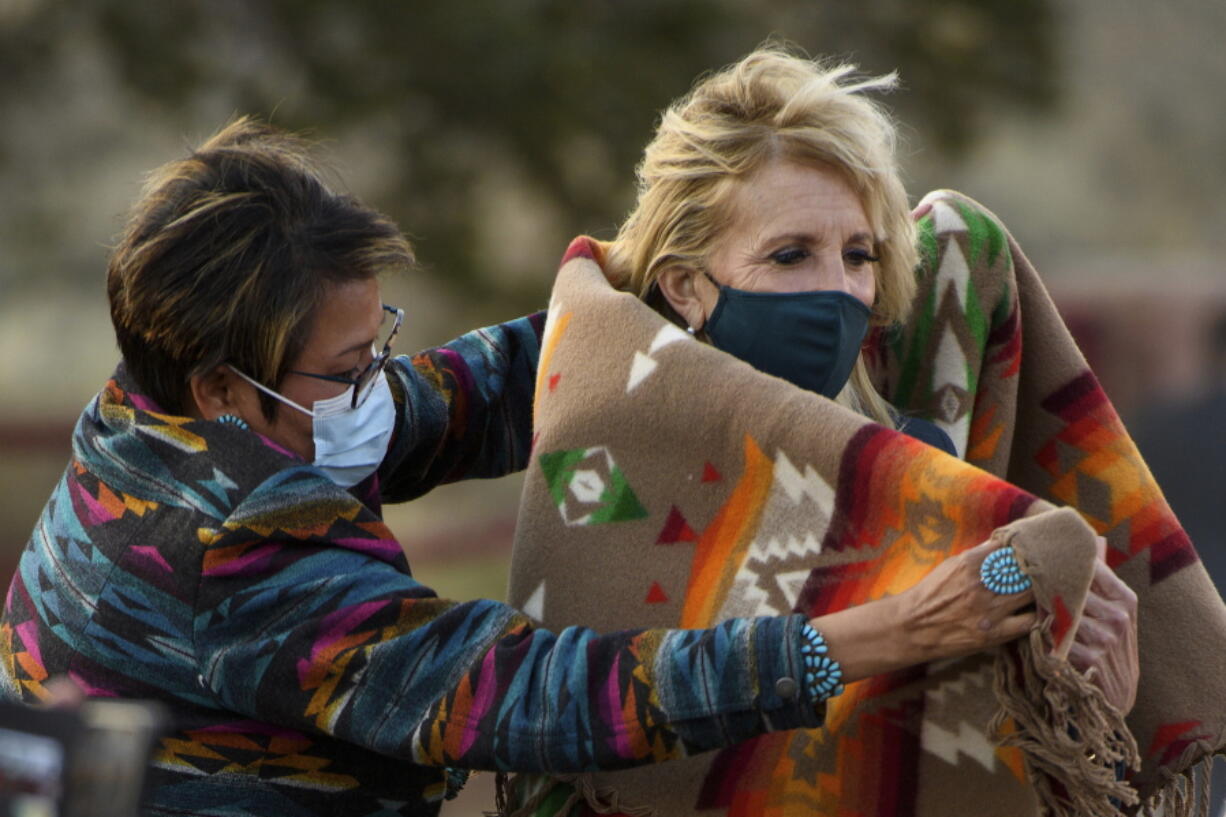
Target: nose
x: 834, y: 272
x: 831, y: 273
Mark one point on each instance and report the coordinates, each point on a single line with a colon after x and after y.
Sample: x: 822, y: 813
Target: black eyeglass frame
x: 376, y: 365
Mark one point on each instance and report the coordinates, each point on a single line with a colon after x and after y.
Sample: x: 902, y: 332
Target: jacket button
x: 786, y: 688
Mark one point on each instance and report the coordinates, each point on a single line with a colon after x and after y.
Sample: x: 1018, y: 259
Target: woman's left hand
x: 1105, y: 645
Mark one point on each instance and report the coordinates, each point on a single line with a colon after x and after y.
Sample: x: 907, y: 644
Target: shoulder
x: 960, y: 203
x: 942, y: 214
x: 302, y: 508
x: 173, y: 462
x: 927, y: 432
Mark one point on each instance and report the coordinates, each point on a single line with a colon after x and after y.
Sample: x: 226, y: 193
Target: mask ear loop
x: 272, y: 393
x: 719, y: 290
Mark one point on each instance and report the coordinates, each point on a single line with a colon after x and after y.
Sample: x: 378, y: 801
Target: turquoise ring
x: 1001, y: 573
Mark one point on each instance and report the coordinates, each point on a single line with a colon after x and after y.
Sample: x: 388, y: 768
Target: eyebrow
x: 357, y: 347
x: 813, y: 238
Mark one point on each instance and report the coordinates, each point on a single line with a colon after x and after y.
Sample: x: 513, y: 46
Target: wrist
x: 823, y: 676
x: 905, y: 637
x: 870, y: 639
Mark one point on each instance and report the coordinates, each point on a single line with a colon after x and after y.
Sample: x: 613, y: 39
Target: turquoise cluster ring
x: 1001, y: 573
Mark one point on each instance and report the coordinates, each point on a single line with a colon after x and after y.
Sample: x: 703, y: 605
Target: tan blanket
x: 672, y: 485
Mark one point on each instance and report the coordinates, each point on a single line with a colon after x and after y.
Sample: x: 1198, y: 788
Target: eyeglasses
x: 362, y: 383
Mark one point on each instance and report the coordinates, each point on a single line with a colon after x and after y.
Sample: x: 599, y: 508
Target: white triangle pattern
x: 950, y: 369
x: 534, y: 607
x: 643, y: 364
x: 954, y: 272
x: 667, y: 334
x: 810, y: 484
x: 639, y: 369
x: 946, y: 219
x: 968, y: 740
x: 745, y: 599
x: 790, y: 584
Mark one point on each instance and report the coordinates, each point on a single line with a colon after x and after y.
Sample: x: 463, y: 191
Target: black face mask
x: 811, y: 339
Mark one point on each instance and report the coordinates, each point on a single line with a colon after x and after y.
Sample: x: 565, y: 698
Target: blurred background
x: 495, y: 130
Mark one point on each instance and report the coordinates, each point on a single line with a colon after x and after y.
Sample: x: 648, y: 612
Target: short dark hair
x: 226, y: 256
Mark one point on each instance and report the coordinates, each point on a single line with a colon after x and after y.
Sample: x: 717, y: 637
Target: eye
x: 790, y: 256
x: 859, y: 257
x: 350, y: 374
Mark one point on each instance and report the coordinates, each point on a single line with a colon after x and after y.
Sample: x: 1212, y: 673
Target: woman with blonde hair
x: 772, y: 115
x: 771, y: 224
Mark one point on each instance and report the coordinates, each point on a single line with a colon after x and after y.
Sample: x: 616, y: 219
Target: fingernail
x: 985, y: 624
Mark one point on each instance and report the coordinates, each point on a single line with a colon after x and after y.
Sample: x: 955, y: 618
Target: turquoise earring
x: 234, y: 420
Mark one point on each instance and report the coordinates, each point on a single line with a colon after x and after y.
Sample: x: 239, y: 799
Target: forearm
x: 869, y: 639
x: 578, y: 701
x: 464, y: 410
x: 336, y: 642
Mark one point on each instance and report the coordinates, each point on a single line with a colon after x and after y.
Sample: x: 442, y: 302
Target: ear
x: 214, y: 393
x: 679, y: 285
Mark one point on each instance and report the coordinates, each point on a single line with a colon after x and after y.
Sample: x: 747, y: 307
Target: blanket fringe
x: 1072, y: 739
x: 1183, y: 794
x: 601, y: 801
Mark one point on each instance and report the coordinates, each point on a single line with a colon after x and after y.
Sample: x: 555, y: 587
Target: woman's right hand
x: 950, y: 613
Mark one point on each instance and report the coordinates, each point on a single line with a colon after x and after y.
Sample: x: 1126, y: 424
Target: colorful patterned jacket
x: 307, y: 671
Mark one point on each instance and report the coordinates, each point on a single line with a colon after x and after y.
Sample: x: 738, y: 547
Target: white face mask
x: 350, y: 443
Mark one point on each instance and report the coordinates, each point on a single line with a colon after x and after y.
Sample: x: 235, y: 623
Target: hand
x: 948, y: 614
x: 1105, y: 645
x: 951, y: 613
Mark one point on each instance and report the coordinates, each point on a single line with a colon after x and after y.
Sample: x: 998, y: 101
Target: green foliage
x: 562, y: 92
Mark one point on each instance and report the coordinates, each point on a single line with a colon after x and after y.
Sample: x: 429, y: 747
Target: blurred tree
x: 555, y: 96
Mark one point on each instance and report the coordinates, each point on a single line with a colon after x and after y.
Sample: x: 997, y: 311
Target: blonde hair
x: 769, y: 105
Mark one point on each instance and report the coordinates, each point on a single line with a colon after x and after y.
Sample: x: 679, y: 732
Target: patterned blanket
x: 671, y: 484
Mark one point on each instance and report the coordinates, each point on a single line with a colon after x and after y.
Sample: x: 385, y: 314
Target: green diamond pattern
x: 588, y: 488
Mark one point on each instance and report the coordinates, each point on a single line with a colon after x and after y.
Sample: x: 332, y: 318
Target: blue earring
x: 234, y: 420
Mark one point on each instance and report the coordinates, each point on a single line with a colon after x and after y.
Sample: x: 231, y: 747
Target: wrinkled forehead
x: 784, y: 193
x: 857, y: 171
